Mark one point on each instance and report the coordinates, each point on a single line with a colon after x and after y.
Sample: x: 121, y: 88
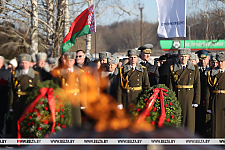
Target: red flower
x: 60, y: 105
x: 172, y: 116
x: 62, y: 110
x: 57, y: 110
x: 39, y: 128
x: 35, y: 110
x: 45, y: 121
x: 46, y: 108
x: 157, y: 97
x: 45, y: 96
x: 63, y: 126
x: 148, y: 114
x: 61, y: 116
x: 41, y: 103
x: 58, y: 124
x: 153, y: 122
x: 165, y: 94
x: 171, y: 104
x: 38, y: 114
x: 56, y: 96
x: 29, y: 124
x: 145, y: 99
x: 30, y: 117
x: 167, y: 120
x: 154, y: 109
x: 32, y: 123
x: 30, y: 111
x: 166, y: 105
x: 138, y: 109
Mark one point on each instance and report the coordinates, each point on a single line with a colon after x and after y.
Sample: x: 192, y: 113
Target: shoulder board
x: 36, y: 72
x: 143, y: 67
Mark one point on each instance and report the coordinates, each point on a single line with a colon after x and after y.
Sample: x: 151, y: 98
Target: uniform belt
x: 134, y: 88
x: 184, y: 86
x: 218, y: 91
x: 22, y: 93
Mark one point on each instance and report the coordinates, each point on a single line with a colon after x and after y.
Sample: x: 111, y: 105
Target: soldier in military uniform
x: 185, y: 81
x: 133, y: 79
x: 215, y: 103
x: 113, y: 72
x: 42, y: 68
x: 212, y: 61
x: 202, y: 118
x: 69, y: 78
x: 151, y: 66
x: 24, y: 80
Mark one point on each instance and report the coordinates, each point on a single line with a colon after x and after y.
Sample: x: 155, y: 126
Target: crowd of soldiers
x: 196, y: 78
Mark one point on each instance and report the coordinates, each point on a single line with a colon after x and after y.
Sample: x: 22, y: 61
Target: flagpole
x: 95, y: 44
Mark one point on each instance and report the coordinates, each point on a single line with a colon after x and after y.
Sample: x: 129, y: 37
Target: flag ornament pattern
x: 84, y: 24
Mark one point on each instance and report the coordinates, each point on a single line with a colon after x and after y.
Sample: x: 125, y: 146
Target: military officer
x: 42, y: 68
x: 151, y: 66
x: 113, y: 72
x: 103, y: 57
x: 24, y: 80
x: 215, y: 89
x: 202, y: 118
x: 69, y: 78
x: 133, y: 78
x: 185, y: 81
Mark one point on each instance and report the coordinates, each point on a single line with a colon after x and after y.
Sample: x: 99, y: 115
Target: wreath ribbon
x: 51, y: 102
x: 151, y: 102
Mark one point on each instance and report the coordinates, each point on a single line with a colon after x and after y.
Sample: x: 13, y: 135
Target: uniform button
x: 30, y: 85
x: 66, y: 84
x: 189, y: 89
x: 137, y: 84
x: 128, y: 91
x: 138, y: 75
x: 19, y: 90
x: 30, y: 80
x: 128, y: 85
x: 137, y: 79
x: 18, y: 84
x: 178, y: 90
x: 18, y: 95
x: 190, y: 78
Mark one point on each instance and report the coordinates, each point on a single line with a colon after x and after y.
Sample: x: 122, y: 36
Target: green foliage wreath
x: 171, y: 105
x: 38, y: 121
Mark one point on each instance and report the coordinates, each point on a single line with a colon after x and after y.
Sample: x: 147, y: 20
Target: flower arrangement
x: 45, y: 115
x: 159, y: 106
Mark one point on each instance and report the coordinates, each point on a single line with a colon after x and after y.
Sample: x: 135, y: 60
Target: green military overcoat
x: 22, y: 85
x: 129, y: 80
x: 186, y: 96
x: 216, y: 101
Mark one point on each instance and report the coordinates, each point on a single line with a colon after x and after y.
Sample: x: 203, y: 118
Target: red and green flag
x: 82, y: 25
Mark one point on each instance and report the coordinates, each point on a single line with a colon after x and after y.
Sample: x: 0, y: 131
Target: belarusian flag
x: 82, y: 25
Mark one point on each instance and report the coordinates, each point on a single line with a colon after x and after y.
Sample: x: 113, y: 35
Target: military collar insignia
x: 138, y: 67
x: 30, y: 73
x: 190, y: 66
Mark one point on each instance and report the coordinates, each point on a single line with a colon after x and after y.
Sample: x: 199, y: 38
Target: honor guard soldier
x: 24, y: 80
x: 42, y: 68
x: 152, y: 67
x: 185, y: 81
x: 201, y: 117
x: 68, y: 78
x: 133, y: 79
x: 214, y: 93
x: 212, y: 61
